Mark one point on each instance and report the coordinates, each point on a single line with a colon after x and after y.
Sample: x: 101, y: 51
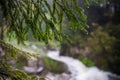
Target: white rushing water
x: 78, y: 70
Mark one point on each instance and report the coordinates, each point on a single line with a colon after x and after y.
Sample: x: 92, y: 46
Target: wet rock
x: 32, y: 62
x: 2, y: 53
x: 62, y: 76
x: 113, y: 76
x: 33, y: 70
x: 34, y: 66
x: 33, y: 46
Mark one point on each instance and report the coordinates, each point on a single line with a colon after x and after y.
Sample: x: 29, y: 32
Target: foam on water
x: 78, y: 70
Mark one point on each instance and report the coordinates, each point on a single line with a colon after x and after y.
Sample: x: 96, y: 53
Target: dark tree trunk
x: 2, y: 34
x: 64, y: 49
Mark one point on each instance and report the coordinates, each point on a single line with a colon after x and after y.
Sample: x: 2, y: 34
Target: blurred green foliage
x: 114, y: 30
x: 20, y: 62
x: 87, y: 62
x: 100, y: 40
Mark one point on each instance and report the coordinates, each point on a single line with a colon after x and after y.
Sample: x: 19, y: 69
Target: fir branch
x: 13, y: 50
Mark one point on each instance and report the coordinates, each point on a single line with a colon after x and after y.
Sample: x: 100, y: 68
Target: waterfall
x: 78, y: 70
